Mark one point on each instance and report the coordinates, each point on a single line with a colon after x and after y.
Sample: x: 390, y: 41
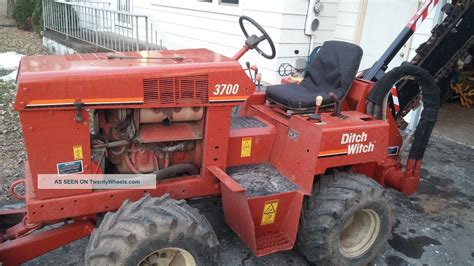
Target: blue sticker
x: 293, y: 134
x: 69, y: 168
x: 393, y: 150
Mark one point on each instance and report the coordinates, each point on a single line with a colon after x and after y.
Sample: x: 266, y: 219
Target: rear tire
x: 347, y: 220
x: 153, y: 231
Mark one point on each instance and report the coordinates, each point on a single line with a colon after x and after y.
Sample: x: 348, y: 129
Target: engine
x: 164, y: 141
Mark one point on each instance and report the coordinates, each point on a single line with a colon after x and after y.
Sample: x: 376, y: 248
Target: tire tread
x: 132, y: 224
x: 332, y: 196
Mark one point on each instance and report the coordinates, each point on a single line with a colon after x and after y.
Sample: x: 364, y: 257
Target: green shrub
x: 38, y: 16
x: 23, y: 12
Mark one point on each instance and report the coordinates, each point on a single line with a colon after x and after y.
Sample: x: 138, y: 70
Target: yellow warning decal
x: 77, y: 152
x: 246, y: 150
x: 269, y: 212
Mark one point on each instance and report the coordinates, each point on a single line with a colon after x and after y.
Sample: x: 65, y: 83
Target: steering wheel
x: 253, y: 41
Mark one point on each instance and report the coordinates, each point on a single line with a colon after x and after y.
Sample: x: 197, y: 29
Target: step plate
x: 273, y: 241
x: 246, y: 122
x: 261, y: 179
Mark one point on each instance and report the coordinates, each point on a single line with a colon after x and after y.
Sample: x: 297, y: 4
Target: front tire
x: 346, y: 221
x: 153, y: 231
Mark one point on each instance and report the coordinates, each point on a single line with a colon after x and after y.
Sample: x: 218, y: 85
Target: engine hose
x: 129, y: 164
x: 430, y: 98
x: 177, y: 169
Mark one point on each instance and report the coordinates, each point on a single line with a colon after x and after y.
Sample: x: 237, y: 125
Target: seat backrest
x: 334, y: 68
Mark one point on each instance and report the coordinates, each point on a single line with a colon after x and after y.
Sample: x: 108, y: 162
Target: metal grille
x: 176, y: 90
x: 150, y: 90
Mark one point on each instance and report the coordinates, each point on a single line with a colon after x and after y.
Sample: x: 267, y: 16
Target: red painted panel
x: 300, y: 147
x: 238, y: 216
x: 59, y: 81
x: 108, y: 200
x: 357, y: 95
x: 15, y: 252
x: 262, y: 139
x: 49, y: 139
x: 280, y: 139
x: 281, y: 234
x: 244, y: 216
x: 297, y: 148
x: 216, y: 139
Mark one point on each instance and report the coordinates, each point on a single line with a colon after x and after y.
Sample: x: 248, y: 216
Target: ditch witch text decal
x: 356, y: 144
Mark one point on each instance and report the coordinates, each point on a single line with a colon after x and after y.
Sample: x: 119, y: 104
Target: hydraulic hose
x: 177, y: 169
x: 430, y: 98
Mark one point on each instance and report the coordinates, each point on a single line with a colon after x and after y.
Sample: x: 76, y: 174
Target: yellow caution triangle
x: 270, y: 209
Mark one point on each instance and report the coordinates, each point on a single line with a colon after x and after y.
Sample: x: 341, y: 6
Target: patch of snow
x: 10, y: 60
x: 9, y: 77
x: 13, y: 206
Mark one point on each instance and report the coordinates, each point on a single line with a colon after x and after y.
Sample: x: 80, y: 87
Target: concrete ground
x: 456, y: 123
x: 435, y: 226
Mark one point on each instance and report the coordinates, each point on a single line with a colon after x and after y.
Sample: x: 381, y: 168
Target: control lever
x: 316, y: 116
x: 258, y: 79
x: 255, y: 70
x: 78, y: 106
x: 337, y: 104
x: 248, y: 68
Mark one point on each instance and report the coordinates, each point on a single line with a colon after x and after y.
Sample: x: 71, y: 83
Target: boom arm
x: 450, y: 41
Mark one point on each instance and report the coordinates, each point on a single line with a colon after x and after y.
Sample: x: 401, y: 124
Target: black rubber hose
x: 430, y: 98
x: 176, y: 170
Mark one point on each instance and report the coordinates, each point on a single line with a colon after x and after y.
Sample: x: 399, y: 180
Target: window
x: 230, y: 2
x: 221, y: 2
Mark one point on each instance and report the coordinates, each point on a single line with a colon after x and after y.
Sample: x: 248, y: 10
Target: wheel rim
x: 359, y: 233
x: 169, y: 257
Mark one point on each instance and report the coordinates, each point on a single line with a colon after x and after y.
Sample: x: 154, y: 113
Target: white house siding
x: 293, y: 40
x: 193, y: 23
x: 347, y: 28
x: 346, y: 20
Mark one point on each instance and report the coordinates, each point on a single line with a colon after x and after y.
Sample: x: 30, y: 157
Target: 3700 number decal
x: 226, y: 89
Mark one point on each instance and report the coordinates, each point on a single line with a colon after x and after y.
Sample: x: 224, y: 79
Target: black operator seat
x: 332, y: 70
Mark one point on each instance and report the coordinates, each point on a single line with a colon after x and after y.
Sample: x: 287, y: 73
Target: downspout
x: 359, y: 29
x: 311, y: 22
x: 311, y: 44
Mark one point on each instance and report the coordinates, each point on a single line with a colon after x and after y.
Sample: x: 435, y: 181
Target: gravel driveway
x: 12, y: 153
